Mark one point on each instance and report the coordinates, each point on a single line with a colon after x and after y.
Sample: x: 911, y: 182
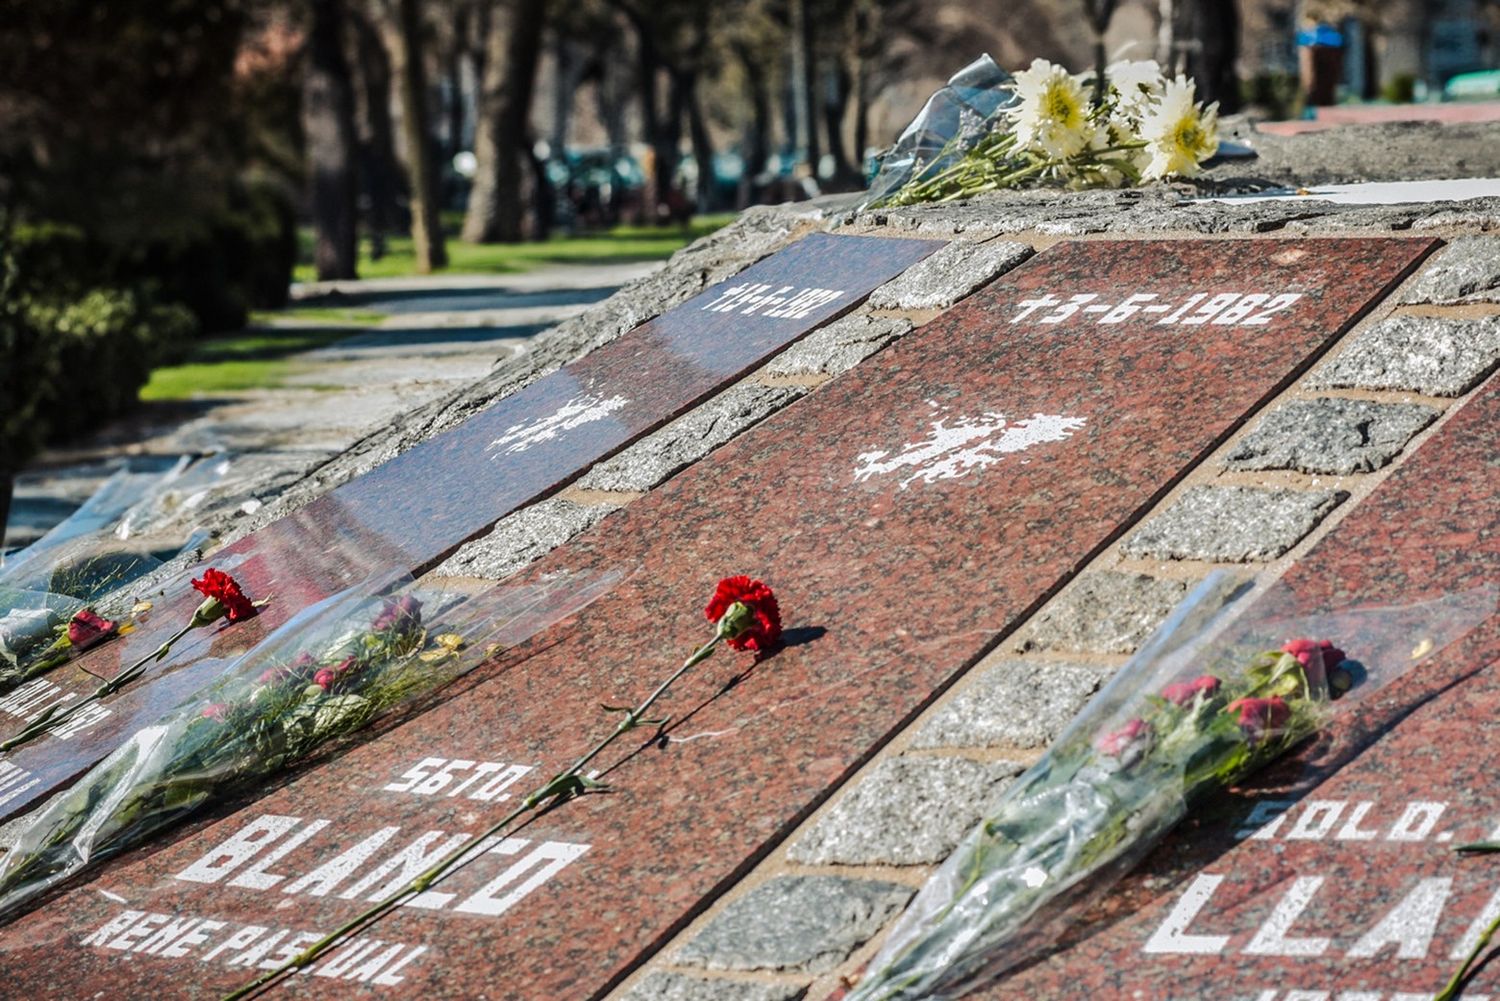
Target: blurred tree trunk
x: 756, y: 144
x: 328, y: 123
x: 7, y: 490
x: 1099, y: 13
x: 572, y: 65
x: 426, y: 223
x: 1168, y: 29
x: 1216, y: 48
x: 836, y: 84
x: 803, y: 130
x: 501, y: 142
x: 703, y: 147
x: 377, y: 145
x: 453, y: 127
x: 868, y: 44
x: 646, y: 66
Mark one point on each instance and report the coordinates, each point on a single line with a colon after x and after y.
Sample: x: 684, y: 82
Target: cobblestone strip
x: 1276, y: 485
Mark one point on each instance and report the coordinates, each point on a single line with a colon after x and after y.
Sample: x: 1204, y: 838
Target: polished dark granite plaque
x: 1333, y: 876
x: 407, y: 513
x: 909, y: 514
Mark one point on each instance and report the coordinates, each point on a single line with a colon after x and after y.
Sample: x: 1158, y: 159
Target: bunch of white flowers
x: 1143, y: 127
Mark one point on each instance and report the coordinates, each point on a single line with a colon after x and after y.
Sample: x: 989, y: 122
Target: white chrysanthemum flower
x: 1136, y: 81
x: 1134, y: 87
x: 1179, y: 133
x: 1053, y: 116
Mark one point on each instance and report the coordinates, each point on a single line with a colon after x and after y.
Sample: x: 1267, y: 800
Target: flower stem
x: 1455, y: 985
x: 53, y: 718
x: 557, y: 789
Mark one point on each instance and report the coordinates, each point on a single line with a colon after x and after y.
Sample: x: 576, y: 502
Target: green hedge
x: 72, y: 355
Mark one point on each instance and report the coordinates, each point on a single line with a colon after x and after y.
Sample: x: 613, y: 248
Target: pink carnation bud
x: 324, y: 679
x: 1316, y: 657
x: 1184, y: 693
x: 1118, y: 742
x: 1261, y: 718
x: 403, y: 613
x: 216, y: 711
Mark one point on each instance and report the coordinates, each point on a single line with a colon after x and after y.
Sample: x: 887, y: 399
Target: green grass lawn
x: 257, y: 359
x: 329, y: 315
x: 254, y: 359
x: 623, y: 243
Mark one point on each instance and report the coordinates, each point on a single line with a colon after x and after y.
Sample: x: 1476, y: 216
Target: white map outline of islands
x: 967, y: 445
x: 580, y: 410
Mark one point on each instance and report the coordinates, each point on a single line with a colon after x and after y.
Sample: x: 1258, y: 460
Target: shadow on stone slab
x: 453, y: 300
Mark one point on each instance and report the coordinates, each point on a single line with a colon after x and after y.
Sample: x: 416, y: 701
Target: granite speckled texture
x: 1331, y: 435
x: 688, y: 438
x: 808, y: 924
x: 1467, y: 270
x: 1022, y: 704
x: 522, y: 446
x: 1438, y: 356
x: 681, y: 987
x: 408, y: 512
x: 520, y: 539
x: 910, y: 810
x: 1351, y: 888
x: 949, y: 275
x: 839, y: 346
x: 294, y: 562
x: 857, y: 505
x: 1232, y: 524
x: 1104, y: 611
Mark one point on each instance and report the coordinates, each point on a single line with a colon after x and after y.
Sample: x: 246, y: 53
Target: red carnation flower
x: 759, y: 628
x: 218, y: 586
x: 324, y: 679
x: 1261, y: 718
x: 1185, y: 692
x: 88, y: 629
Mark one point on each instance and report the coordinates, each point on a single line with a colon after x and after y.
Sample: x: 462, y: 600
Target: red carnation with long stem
x: 223, y: 598
x: 758, y: 627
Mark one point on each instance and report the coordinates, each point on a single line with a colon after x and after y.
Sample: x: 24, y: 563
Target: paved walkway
x: 439, y: 330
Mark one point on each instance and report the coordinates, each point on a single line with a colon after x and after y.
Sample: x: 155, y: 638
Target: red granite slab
x: 906, y: 525
x: 414, y: 509
x: 1334, y: 878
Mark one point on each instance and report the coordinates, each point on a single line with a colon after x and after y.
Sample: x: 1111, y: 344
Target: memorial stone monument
x: 911, y: 514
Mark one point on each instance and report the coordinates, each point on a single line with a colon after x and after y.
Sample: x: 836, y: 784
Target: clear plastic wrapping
x: 1210, y: 698
x: 951, y: 122
x: 384, y: 645
x: 30, y: 625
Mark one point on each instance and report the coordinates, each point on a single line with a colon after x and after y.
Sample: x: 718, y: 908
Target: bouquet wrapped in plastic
x: 40, y: 630
x: 988, y: 131
x: 1200, y: 707
x: 49, y: 591
x: 326, y: 673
